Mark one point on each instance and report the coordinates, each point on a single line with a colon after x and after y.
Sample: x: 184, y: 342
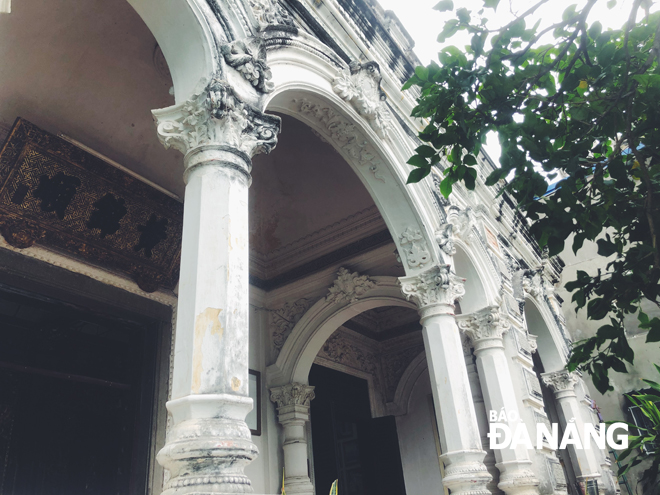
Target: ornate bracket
x: 436, y: 286
x: 216, y: 116
x: 361, y: 88
x: 349, y: 287
x: 270, y: 13
x: 248, y: 56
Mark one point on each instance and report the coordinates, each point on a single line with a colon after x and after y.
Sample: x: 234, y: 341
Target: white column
x: 209, y: 443
x: 562, y: 383
x: 293, y: 413
x: 485, y: 329
x: 435, y: 291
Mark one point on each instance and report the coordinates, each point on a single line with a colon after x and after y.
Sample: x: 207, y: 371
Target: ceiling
x: 92, y: 71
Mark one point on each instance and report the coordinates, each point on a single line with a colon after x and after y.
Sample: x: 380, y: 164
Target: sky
x: 423, y: 24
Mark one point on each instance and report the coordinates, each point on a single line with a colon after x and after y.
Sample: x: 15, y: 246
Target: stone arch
x: 540, y: 322
x: 303, y: 80
x: 183, y: 33
x: 319, y: 322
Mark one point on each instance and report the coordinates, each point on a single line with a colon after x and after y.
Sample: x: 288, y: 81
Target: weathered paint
x: 208, y: 321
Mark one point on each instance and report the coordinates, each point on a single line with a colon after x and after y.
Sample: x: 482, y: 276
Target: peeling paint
x: 206, y: 321
x: 235, y: 384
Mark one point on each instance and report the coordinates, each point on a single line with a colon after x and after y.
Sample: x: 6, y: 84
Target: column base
x: 517, y: 479
x: 209, y: 445
x: 298, y: 484
x: 465, y: 472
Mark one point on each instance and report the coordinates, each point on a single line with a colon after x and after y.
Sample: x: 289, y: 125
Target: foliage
x: 584, y: 108
x: 648, y: 436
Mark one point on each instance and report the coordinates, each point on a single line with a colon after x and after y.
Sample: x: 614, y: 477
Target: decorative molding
x: 349, y: 287
x: 343, y: 134
x: 248, y: 56
x: 463, y: 222
x: 394, y: 366
x: 445, y: 239
x: 216, y: 116
x: 361, y: 88
x: 435, y: 286
x: 532, y: 283
x: 532, y: 384
x: 285, y: 318
x: 293, y: 394
x: 485, y: 324
x: 270, y: 13
x: 560, y: 381
x: 415, y: 250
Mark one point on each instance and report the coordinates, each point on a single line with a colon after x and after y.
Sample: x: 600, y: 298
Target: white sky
x: 423, y: 24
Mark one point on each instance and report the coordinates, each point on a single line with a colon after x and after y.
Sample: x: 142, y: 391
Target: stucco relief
x: 293, y: 394
x: 285, y: 318
x: 248, y: 56
x: 560, y: 381
x: 394, y: 366
x: 361, y: 88
x: 488, y: 323
x: 339, y: 349
x: 344, y: 135
x: 349, y: 287
x: 269, y: 13
x: 217, y: 116
x: 414, y: 248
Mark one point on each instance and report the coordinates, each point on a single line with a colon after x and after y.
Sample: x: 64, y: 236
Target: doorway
x: 76, y: 398
x: 348, y: 444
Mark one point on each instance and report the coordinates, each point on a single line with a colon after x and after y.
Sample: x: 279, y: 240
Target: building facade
x: 247, y: 295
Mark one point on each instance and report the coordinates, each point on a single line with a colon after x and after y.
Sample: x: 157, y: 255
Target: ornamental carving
x: 344, y: 135
x: 437, y: 285
x: 284, y: 319
x: 217, y: 116
x: 349, y: 287
x: 361, y: 88
x: 462, y: 221
x: 394, y: 366
x: 487, y: 323
x: 414, y: 248
x: 248, y: 56
x: 57, y: 195
x: 445, y: 239
x: 269, y: 13
x: 339, y: 349
x: 293, y: 394
x: 532, y: 283
x: 561, y: 380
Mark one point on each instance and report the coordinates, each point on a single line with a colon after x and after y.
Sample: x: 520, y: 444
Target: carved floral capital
x: 435, y: 286
x: 560, y: 381
x: 216, y: 116
x: 349, y: 287
x: 485, y: 324
x: 293, y: 394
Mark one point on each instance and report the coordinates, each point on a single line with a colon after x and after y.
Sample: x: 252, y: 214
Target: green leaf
x: 418, y: 161
x: 418, y: 174
x: 422, y: 72
x: 444, y: 5
x: 446, y: 186
x: 425, y: 151
x: 469, y: 160
x: 611, y: 4
x: 491, y: 4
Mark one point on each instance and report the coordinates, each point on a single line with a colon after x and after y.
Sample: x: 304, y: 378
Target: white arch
x: 319, y: 322
x: 480, y: 289
x: 550, y: 343
x: 183, y: 33
x: 303, y: 89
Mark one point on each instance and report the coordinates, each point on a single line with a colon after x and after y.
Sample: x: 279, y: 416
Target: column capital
x: 292, y: 395
x: 434, y: 290
x: 216, y: 116
x: 485, y: 327
x: 561, y: 382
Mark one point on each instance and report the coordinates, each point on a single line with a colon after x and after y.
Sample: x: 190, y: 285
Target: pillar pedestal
x: 435, y: 292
